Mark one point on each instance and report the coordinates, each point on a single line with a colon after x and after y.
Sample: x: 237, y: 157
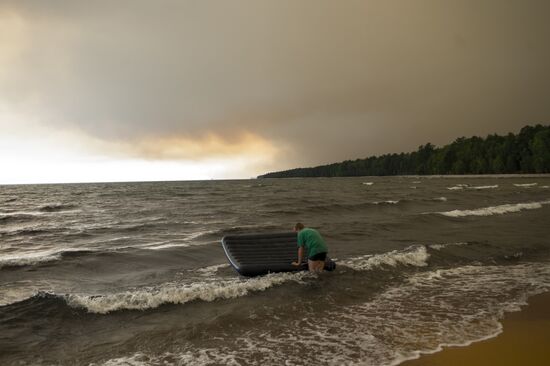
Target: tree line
x: 526, y: 152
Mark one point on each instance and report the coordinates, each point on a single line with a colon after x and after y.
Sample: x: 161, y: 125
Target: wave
x: 44, y: 256
x: 211, y: 270
x: 56, y: 207
x: 441, y: 199
x: 350, y: 206
x: 445, y: 245
x: 16, y: 218
x: 29, y: 231
x: 176, y: 293
x: 455, y: 188
x: 211, y: 287
x: 495, y: 210
x: 28, y: 259
x: 484, y: 187
x: 368, y: 183
x: 35, y: 289
x: 241, y: 229
x: 413, y: 256
x: 526, y: 185
x: 458, y: 187
x: 195, y: 238
x: 422, y: 315
x: 37, y: 258
x: 162, y: 245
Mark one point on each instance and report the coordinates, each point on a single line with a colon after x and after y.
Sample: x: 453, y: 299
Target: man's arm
x: 300, y: 256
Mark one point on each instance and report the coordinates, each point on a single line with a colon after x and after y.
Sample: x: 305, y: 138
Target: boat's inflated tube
x: 258, y: 254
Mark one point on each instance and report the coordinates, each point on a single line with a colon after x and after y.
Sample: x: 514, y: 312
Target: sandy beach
x: 525, y: 340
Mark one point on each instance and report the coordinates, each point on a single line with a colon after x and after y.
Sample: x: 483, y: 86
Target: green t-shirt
x: 312, y: 240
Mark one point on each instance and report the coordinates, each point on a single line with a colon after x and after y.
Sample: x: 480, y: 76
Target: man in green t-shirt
x: 315, y: 246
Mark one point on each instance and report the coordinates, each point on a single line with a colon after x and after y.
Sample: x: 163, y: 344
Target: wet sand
x: 525, y: 341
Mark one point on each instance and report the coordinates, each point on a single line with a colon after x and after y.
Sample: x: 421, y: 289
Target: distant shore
x: 525, y: 152
x: 511, y: 175
x: 525, y: 340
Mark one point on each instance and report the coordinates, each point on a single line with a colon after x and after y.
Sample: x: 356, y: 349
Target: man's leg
x: 315, y: 266
x: 320, y: 266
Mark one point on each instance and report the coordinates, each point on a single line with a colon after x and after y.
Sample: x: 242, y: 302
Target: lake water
x: 134, y: 273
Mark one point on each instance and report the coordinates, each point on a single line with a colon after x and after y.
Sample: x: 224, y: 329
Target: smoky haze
x: 326, y: 80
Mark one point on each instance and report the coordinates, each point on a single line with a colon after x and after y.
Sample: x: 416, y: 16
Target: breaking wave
x: 36, y: 258
x: 495, y: 210
x: 526, y: 185
x: 175, y: 293
x: 422, y: 315
x: 484, y: 187
x: 29, y: 259
x: 413, y: 256
x: 458, y: 187
x: 215, y: 288
x: 445, y: 245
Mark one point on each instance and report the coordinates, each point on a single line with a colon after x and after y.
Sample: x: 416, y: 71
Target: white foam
x: 204, y: 356
x: 484, y: 187
x: 389, y: 202
x: 29, y: 258
x: 526, y: 185
x: 211, y: 270
x: 442, y: 199
x: 15, y: 214
x: 179, y: 293
x: 137, y: 359
x: 496, y: 210
x: 207, y: 290
x: 164, y: 245
x: 422, y: 315
x: 455, y: 188
x: 458, y: 187
x: 368, y: 183
x: 414, y: 256
x: 445, y: 245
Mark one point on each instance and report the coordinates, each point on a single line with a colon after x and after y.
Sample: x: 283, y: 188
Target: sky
x: 136, y: 90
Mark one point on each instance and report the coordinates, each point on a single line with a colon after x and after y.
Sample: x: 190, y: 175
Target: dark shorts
x: 318, y: 257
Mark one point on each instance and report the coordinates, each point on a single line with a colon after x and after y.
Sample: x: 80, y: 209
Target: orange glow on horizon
x: 32, y: 153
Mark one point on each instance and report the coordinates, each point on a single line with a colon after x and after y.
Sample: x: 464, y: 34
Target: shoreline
x: 495, y: 175
x: 523, y: 340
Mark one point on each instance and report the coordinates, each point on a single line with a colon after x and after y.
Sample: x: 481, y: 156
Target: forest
x: 525, y: 152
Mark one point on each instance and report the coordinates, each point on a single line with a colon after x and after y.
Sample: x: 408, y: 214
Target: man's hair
x: 299, y: 226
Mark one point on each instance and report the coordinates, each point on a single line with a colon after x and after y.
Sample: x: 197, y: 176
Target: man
x: 315, y: 245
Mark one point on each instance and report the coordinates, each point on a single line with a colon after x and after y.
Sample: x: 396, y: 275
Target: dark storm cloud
x: 331, y: 79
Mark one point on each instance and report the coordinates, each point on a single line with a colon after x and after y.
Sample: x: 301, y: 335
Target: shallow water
x: 134, y: 273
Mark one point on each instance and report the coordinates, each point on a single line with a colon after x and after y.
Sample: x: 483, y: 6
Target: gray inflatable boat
x: 258, y: 254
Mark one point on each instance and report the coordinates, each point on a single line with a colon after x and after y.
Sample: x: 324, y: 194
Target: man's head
x: 299, y: 226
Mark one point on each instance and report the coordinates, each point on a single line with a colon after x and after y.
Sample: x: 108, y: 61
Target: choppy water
x: 133, y: 273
